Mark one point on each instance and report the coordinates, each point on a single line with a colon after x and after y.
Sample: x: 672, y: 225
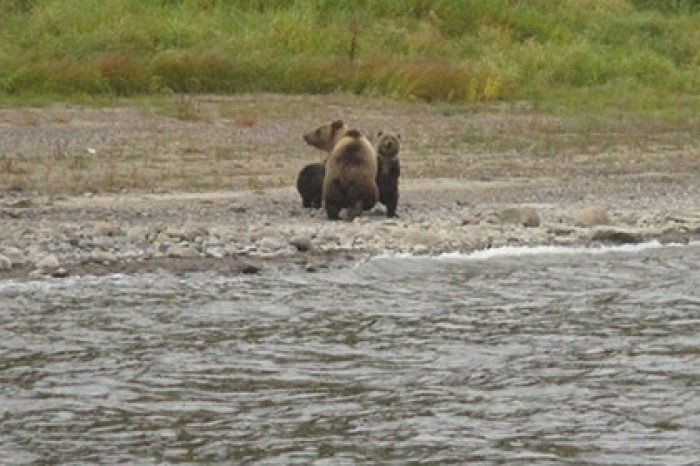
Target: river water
x: 509, y: 356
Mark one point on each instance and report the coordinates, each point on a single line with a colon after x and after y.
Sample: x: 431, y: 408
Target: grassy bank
x: 575, y: 52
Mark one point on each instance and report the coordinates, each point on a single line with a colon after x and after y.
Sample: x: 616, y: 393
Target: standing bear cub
x: 351, y: 169
x: 388, y: 170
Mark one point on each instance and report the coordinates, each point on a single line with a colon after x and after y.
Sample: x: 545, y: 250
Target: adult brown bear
x: 351, y: 169
x: 310, y: 177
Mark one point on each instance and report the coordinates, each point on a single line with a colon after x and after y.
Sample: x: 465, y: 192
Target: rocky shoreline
x: 249, y: 231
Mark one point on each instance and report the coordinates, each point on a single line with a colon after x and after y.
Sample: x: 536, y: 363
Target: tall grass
x: 446, y: 50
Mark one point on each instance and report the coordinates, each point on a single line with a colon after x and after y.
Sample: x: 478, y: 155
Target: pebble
x: 302, y: 244
x: 525, y: 216
x: 15, y: 255
x: 591, y: 216
x: 5, y: 263
x: 103, y: 257
x: 182, y: 251
x: 48, y: 263
x: 108, y: 229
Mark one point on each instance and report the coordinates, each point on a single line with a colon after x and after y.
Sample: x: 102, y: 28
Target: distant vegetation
x: 435, y: 50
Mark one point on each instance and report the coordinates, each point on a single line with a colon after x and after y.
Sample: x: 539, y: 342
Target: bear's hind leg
x: 391, y: 203
x: 332, y: 211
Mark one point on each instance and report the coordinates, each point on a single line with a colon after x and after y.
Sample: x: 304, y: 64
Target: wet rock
x: 249, y: 269
x: 420, y: 249
x: 675, y: 233
x: 525, y: 216
x: 591, y: 216
x: 310, y: 268
x: 617, y: 235
x: 302, y: 244
x: 59, y: 273
x: 5, y: 263
x: 214, y: 254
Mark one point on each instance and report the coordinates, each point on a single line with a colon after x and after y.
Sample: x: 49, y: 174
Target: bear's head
x: 325, y: 136
x: 388, y: 144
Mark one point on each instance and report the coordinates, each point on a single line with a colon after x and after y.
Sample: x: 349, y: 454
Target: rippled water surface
x: 554, y: 357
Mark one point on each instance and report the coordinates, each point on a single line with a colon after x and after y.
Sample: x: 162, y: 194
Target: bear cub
x: 388, y: 170
x: 310, y: 184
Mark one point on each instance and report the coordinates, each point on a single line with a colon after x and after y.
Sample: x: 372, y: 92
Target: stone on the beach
x: 5, y: 263
x: 108, y: 229
x: 182, y: 251
x: 420, y: 249
x: 103, y: 257
x: 674, y: 233
x: 15, y: 255
x: 214, y: 254
x: 137, y: 233
x: 301, y: 243
x: 525, y: 216
x: 591, y: 217
x: 59, y: 273
x: 271, y: 244
x: 249, y: 269
x: 47, y: 265
x: 470, y: 220
x: 617, y: 235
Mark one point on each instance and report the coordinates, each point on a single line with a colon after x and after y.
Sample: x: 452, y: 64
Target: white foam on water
x: 518, y: 251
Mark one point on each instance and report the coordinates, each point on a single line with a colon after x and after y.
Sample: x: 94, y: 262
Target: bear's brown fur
x: 310, y: 184
x: 351, y: 169
x: 310, y: 178
x: 325, y: 136
x: 388, y: 170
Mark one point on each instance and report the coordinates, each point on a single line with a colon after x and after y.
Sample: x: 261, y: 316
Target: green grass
x: 604, y: 53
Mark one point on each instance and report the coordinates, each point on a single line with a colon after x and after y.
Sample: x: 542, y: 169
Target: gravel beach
x: 461, y: 189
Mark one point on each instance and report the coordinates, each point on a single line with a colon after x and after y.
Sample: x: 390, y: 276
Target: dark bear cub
x: 310, y: 184
x: 388, y: 170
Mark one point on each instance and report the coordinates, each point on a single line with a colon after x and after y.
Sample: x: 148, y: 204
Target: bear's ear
x: 398, y: 135
x: 337, y: 124
x: 379, y: 134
